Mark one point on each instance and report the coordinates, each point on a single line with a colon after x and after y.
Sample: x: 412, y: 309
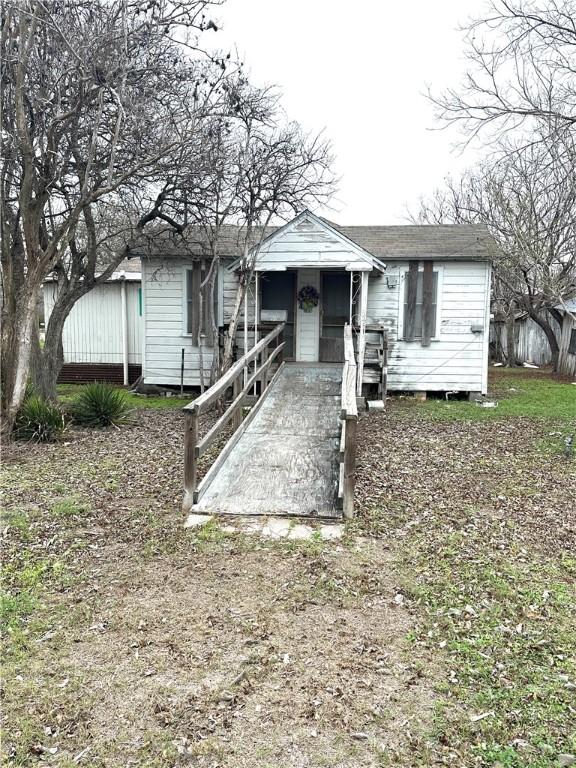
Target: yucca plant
x: 39, y: 420
x: 100, y: 405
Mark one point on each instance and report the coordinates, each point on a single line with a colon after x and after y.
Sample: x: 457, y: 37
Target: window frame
x: 403, y: 271
x: 218, y: 296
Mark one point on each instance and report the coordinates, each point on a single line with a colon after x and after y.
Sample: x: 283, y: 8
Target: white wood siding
x: 458, y: 358
x: 308, y: 323
x: 307, y: 243
x: 93, y: 329
x: 164, y: 326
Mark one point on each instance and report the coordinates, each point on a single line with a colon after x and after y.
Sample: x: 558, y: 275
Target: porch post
x: 351, y: 323
x: 362, y: 338
x: 246, y: 329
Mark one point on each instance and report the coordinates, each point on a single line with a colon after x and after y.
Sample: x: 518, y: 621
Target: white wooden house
x: 427, y: 286
x: 103, y: 334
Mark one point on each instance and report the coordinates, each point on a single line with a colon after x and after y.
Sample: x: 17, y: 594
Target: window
x: 572, y: 343
x: 420, y: 303
x: 195, y: 276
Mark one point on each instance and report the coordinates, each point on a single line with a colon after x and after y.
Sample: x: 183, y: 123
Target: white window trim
x: 403, y: 270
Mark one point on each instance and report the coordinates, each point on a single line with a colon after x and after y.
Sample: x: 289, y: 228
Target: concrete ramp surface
x: 286, y: 461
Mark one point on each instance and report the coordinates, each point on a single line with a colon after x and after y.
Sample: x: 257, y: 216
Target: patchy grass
x: 150, y: 645
x: 518, y: 394
x: 484, y: 525
x: 68, y: 392
x: 440, y: 631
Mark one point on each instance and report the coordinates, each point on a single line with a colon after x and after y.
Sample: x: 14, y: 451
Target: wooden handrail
x: 209, y: 437
x: 193, y: 447
x: 216, y: 391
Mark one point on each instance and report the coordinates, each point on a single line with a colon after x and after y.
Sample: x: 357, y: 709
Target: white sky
x: 359, y: 70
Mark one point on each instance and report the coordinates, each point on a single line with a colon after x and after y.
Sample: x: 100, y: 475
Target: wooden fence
x: 241, y: 380
x: 349, y: 421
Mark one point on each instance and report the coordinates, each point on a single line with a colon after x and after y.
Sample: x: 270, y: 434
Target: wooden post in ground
x: 190, y: 459
x: 384, y: 366
x: 350, y: 465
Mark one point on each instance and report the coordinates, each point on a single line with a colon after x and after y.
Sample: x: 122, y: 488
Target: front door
x: 335, y: 314
x: 278, y: 291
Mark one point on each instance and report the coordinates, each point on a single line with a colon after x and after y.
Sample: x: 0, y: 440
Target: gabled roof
x: 443, y: 242
x: 423, y: 241
x: 307, y: 217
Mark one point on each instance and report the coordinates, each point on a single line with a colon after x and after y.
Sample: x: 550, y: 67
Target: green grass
x: 518, y: 395
x: 506, y: 628
x: 67, y: 392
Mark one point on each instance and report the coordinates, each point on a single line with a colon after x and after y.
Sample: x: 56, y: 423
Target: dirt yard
x: 439, y: 631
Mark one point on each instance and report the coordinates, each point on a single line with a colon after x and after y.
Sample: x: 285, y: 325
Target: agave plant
x: 39, y: 420
x: 100, y: 405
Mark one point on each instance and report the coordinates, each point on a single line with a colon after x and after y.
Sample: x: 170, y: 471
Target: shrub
x: 100, y: 405
x: 39, y: 420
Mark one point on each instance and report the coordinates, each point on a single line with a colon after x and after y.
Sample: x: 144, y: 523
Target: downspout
x: 124, y: 311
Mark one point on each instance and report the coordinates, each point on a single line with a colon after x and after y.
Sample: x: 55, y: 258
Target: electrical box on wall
x: 477, y: 328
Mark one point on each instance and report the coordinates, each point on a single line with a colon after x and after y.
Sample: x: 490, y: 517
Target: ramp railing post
x: 190, y: 458
x: 349, y: 465
x: 236, y: 389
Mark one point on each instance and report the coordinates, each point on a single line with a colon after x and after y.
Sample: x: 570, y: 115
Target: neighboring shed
x: 567, y: 356
x: 103, y: 335
x: 427, y: 286
x: 530, y: 342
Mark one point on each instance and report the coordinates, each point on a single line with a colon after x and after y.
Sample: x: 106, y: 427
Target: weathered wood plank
x: 350, y: 466
x: 227, y: 450
x: 411, y: 296
x: 286, y: 461
x: 190, y: 462
x: 428, y: 329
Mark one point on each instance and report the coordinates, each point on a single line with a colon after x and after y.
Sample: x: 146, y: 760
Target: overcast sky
x: 359, y: 70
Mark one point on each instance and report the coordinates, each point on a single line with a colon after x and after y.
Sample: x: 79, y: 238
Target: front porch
x: 313, y: 334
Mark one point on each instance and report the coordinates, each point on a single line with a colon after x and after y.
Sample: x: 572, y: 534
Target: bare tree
x: 522, y: 73
x: 254, y: 168
x: 97, y: 98
x: 527, y: 199
x: 283, y: 172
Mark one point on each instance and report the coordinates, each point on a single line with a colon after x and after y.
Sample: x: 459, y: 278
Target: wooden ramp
x: 286, y: 462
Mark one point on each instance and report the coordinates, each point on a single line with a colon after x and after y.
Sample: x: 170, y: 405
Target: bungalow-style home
x: 102, y: 338
x: 425, y: 288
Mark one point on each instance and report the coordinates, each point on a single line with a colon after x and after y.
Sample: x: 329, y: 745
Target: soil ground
x: 439, y: 631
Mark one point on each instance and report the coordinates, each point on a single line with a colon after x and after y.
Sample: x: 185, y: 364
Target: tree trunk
x: 215, y: 368
x: 16, y: 353
x: 550, y: 335
x: 233, y: 324
x: 510, y: 341
x: 46, y: 364
x: 47, y: 361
